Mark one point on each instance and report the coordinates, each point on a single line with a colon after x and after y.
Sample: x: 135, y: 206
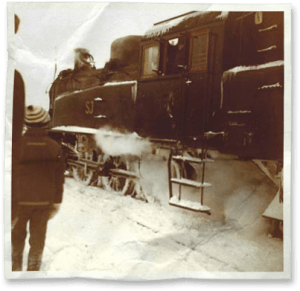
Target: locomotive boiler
x: 198, y: 90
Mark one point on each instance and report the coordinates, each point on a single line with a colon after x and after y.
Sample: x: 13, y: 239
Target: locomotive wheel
x: 82, y: 176
x: 125, y: 186
x: 113, y: 183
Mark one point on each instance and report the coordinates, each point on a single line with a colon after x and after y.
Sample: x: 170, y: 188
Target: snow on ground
x: 97, y: 230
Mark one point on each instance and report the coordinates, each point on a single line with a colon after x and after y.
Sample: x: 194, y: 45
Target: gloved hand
x: 54, y: 210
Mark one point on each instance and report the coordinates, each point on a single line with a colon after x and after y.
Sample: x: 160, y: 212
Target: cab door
x: 160, y: 90
x: 197, y: 82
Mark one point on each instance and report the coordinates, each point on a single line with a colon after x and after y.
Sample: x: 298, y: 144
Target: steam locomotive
x: 194, y: 83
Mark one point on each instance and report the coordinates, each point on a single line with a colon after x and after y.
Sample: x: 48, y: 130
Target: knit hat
x: 36, y: 116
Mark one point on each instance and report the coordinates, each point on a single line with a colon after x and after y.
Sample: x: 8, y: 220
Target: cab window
x: 150, y: 60
x: 199, y: 51
x: 175, y: 55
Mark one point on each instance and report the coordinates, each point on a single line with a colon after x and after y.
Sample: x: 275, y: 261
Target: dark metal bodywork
x: 101, y: 106
x: 181, y: 101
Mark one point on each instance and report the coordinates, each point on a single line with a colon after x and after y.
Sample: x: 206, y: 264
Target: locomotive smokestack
x: 83, y: 60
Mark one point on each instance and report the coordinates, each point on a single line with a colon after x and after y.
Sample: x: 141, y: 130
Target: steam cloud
x: 115, y: 143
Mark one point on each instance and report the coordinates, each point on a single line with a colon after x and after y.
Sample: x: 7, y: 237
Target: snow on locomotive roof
x: 258, y: 67
x: 239, y: 69
x: 227, y: 75
x: 164, y: 26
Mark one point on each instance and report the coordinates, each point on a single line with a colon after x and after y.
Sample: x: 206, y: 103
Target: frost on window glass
x: 151, y: 61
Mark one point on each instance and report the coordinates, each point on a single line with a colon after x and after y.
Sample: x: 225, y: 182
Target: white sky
x: 52, y: 30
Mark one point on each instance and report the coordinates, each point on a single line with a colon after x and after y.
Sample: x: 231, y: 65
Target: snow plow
x: 178, y: 115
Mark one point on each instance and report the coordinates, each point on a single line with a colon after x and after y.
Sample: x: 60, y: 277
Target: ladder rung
x: 192, y: 160
x: 187, y: 204
x: 187, y: 182
x: 124, y: 173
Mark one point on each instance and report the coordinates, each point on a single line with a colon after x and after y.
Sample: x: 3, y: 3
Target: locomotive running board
x: 74, y: 129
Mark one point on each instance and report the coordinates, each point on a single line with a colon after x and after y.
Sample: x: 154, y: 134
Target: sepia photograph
x: 148, y: 141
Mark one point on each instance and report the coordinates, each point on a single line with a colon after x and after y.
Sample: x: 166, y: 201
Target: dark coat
x: 41, y: 170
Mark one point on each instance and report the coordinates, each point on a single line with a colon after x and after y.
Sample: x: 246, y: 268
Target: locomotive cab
x: 206, y: 71
x: 165, y: 57
x: 180, y: 73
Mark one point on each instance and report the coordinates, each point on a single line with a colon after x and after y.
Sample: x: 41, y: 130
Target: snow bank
x: 115, y: 143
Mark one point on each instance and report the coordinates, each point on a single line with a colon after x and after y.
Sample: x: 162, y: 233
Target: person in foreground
x: 39, y: 188
x: 17, y: 125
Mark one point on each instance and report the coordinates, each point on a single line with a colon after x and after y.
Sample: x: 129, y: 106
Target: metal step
x: 124, y: 173
x: 192, y: 159
x: 191, y: 183
x: 189, y: 205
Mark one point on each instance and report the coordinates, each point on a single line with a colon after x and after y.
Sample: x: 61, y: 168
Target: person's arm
x: 59, y: 179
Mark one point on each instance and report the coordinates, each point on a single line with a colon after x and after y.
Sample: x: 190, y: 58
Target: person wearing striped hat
x: 36, y: 116
x: 39, y: 188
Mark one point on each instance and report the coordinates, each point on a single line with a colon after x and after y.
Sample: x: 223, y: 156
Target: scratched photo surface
x: 146, y: 141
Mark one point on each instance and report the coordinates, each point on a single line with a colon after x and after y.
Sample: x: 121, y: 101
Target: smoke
x: 115, y: 143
